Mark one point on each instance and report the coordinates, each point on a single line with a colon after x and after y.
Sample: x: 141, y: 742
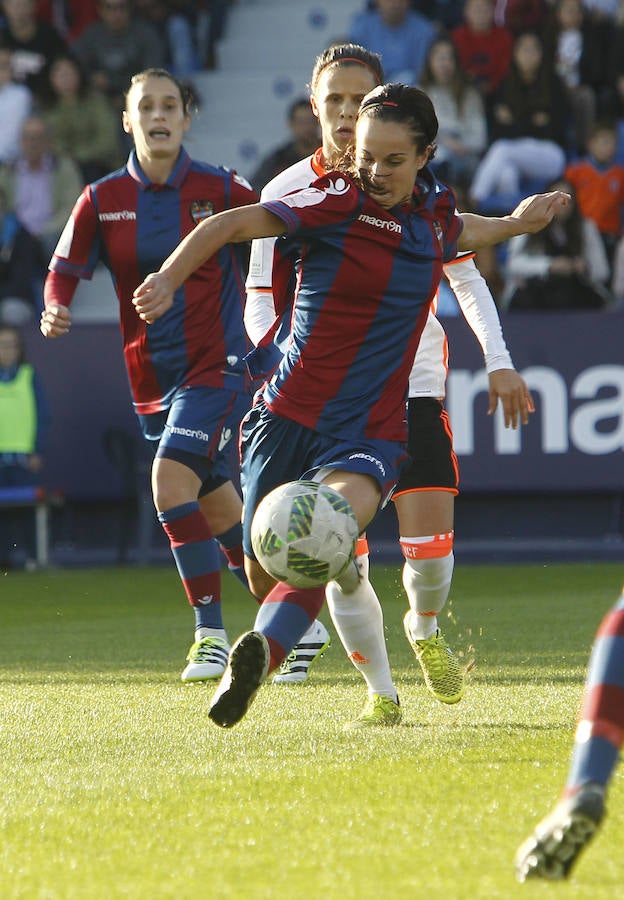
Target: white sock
x: 358, y: 619
x: 427, y: 583
x: 203, y: 632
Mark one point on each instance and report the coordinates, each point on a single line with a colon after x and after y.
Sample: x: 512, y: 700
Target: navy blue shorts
x: 200, y: 429
x: 275, y: 450
x: 432, y: 464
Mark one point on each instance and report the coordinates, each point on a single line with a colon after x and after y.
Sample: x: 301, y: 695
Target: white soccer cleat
x: 311, y: 647
x: 207, y: 658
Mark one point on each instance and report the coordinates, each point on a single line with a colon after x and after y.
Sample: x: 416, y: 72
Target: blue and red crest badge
x: 200, y: 210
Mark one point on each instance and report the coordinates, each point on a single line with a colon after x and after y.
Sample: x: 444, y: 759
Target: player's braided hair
x: 408, y: 105
x: 346, y: 54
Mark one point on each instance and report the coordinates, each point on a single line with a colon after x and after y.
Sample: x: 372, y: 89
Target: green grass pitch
x: 115, y: 784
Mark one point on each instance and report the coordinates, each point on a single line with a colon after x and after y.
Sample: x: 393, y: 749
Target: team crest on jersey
x: 201, y: 209
x: 438, y: 231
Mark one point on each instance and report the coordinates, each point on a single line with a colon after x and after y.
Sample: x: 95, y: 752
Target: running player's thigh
x: 362, y: 491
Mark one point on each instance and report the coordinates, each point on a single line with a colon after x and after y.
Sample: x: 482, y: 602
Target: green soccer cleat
x: 378, y: 710
x: 558, y: 840
x: 206, y: 659
x: 443, y: 674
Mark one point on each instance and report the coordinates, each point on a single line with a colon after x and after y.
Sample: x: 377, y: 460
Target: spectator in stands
x: 528, y: 130
x: 20, y: 295
x: 445, y: 14
x: 462, y: 132
x: 34, y: 44
x: 41, y: 185
x: 305, y: 137
x: 116, y: 46
x: 484, y: 48
x: 521, y: 15
x: 15, y: 107
x: 82, y: 121
x: 212, y: 23
x: 605, y: 10
x: 69, y: 17
x: 398, y: 34
x: 177, y: 22
x: 565, y: 266
x: 616, y: 79
x: 23, y: 428
x: 580, y: 49
x: 598, y: 181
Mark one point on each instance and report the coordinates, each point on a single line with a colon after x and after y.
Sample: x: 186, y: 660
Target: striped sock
x: 600, y: 731
x: 231, y: 543
x: 196, y: 554
x: 285, y: 615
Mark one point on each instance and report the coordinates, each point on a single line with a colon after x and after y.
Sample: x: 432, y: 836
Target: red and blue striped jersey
x: 132, y: 225
x: 365, y: 279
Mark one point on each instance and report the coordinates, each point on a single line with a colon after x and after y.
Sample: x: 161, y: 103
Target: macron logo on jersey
x: 123, y: 215
x: 386, y: 224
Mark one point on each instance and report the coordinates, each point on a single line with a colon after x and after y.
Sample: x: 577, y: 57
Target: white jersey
x: 428, y: 374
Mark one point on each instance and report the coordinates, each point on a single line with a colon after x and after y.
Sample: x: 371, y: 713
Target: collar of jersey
x: 178, y: 173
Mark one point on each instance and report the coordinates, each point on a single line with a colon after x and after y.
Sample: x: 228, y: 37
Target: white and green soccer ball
x: 304, y: 533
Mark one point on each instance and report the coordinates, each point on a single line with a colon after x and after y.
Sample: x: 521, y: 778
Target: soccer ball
x: 304, y: 533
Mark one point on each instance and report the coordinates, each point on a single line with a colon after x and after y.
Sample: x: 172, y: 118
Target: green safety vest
x: 18, y: 413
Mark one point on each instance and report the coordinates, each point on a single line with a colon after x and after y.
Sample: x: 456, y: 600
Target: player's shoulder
x: 295, y: 177
x: 116, y: 175
x: 217, y: 178
x: 212, y: 170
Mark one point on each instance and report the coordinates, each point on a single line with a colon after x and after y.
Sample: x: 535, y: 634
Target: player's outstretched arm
x: 531, y: 215
x: 154, y: 296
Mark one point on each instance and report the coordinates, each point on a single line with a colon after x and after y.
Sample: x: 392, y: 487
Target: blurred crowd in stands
x: 529, y: 93
x: 64, y: 68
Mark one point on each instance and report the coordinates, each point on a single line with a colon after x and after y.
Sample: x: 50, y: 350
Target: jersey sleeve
x: 79, y: 246
x: 330, y: 199
x: 479, y: 309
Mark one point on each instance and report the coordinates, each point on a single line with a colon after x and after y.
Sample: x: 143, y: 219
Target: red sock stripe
x: 277, y: 654
x: 234, y: 555
x: 612, y: 625
x: 309, y: 599
x: 204, y: 589
x: 604, y: 703
x: 187, y: 529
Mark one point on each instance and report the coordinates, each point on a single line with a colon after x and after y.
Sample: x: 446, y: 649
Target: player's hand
x: 153, y: 297
x: 55, y: 321
x: 511, y: 389
x: 537, y: 211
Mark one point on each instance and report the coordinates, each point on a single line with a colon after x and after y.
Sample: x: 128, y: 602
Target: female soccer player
x: 370, y: 248
x: 425, y: 494
x: 186, y: 372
